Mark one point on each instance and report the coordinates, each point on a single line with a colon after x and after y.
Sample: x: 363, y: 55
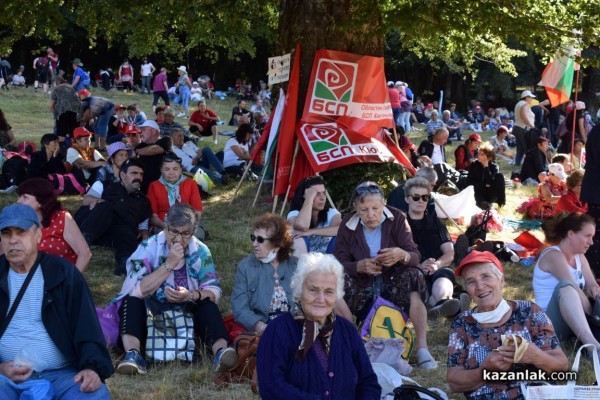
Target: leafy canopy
x: 459, y: 32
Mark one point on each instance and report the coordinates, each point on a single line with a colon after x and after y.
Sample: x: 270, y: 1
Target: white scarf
x: 490, y: 317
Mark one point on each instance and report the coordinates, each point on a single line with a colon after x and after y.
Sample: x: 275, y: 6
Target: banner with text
x: 329, y: 145
x: 346, y: 85
x: 279, y: 69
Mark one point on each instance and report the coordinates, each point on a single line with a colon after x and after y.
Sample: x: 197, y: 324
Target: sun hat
x: 476, y: 256
x: 115, y: 147
x: 557, y: 170
x: 182, y: 68
x: 399, y: 83
x: 78, y: 62
x: 390, y: 83
x: 18, y: 216
x: 80, y: 131
x: 132, y: 130
x: 150, y: 123
x: 527, y: 93
x: 475, y: 136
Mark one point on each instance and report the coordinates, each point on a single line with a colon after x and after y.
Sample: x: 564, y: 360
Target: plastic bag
x: 388, y: 351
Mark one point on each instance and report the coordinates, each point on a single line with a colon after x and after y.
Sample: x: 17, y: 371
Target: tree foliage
x: 457, y: 32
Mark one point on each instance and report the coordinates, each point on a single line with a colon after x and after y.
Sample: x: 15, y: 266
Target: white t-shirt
x: 318, y: 243
x: 230, y: 159
x: 437, y: 157
x: 147, y: 69
x: 187, y: 153
x: 73, y: 155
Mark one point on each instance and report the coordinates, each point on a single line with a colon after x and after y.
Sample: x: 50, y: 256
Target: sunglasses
x: 417, y: 197
x: 171, y: 158
x: 368, y: 189
x: 259, y: 239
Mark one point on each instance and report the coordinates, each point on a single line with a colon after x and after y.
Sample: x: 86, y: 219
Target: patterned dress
x: 53, y: 239
x: 469, y: 344
x: 279, y: 302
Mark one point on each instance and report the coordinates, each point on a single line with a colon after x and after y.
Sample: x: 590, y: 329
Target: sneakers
x: 181, y: 114
x: 216, y: 141
x: 201, y: 139
x: 224, y: 178
x: 132, y: 364
x: 444, y: 308
x: 224, y: 359
x: 425, y: 359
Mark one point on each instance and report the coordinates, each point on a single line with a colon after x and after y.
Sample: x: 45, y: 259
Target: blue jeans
x: 102, y: 120
x: 146, y: 84
x: 62, y: 383
x: 208, y: 160
x: 405, y: 121
x: 184, y: 97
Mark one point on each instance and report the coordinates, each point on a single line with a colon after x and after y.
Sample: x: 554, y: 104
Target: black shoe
x: 224, y: 178
x: 461, y: 248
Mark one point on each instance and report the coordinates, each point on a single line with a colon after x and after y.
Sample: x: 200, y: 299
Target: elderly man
x: 151, y: 151
x: 51, y: 316
x: 169, y: 124
x: 114, y: 214
x: 433, y: 124
x: 203, y: 122
x: 434, y: 147
x: 83, y: 156
x: 452, y: 125
x: 193, y: 158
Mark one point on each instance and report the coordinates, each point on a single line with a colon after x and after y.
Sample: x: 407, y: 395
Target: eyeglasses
x: 417, y: 197
x: 259, y: 239
x: 184, y: 235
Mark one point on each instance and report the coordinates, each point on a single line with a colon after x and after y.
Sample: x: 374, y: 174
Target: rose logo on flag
x: 333, y: 87
x: 324, y: 137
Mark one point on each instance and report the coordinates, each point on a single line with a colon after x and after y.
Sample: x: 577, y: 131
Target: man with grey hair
x: 397, y: 197
x: 48, y: 325
x: 433, y: 124
x: 434, y: 146
x: 452, y: 125
x: 169, y: 125
x: 151, y: 151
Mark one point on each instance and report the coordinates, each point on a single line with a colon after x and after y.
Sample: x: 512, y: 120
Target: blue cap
x: 18, y: 216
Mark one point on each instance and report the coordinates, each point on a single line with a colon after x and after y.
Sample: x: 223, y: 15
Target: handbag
x: 244, y: 370
x: 170, y: 334
x: 571, y: 390
x: 109, y: 322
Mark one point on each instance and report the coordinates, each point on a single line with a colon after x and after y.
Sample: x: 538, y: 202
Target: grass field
x: 229, y: 228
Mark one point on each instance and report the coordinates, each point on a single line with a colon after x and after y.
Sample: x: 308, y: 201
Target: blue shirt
x: 81, y: 74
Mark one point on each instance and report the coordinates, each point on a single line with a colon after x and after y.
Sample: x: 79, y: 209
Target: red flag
x: 285, y: 143
x: 262, y: 142
x: 349, y: 86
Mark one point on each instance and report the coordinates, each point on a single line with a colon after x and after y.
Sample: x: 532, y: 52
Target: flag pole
x: 275, y: 198
x: 396, y: 135
x: 241, y: 180
x: 575, y: 113
x: 287, y: 192
x: 262, y: 178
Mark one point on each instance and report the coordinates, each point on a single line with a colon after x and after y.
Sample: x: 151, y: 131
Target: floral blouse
x: 469, y: 344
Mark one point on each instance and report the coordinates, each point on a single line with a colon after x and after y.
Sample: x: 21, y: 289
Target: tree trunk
x: 324, y: 24
x: 591, y: 94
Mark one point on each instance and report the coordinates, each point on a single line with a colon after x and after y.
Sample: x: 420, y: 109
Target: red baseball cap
x: 475, y: 136
x: 84, y: 93
x: 132, y: 130
x: 478, y: 257
x: 120, y: 107
x: 80, y: 131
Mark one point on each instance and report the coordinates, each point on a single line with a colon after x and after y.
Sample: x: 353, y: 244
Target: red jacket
x: 159, y: 200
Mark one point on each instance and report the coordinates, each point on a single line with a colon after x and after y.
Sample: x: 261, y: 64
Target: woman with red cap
x: 475, y: 344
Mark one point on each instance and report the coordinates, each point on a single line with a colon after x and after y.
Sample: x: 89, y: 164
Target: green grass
x: 229, y: 228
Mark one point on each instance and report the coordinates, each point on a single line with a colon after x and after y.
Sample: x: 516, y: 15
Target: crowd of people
x: 313, y: 277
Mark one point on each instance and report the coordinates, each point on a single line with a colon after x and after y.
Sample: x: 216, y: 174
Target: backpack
x: 386, y: 320
x: 85, y: 79
x: 408, y: 93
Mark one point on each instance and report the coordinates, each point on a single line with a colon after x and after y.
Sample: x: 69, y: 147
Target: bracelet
x: 191, y: 299
x: 165, y: 266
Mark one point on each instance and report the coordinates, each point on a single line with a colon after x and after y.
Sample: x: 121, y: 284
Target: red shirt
x: 569, y: 202
x: 159, y: 200
x: 394, y: 97
x: 197, y: 118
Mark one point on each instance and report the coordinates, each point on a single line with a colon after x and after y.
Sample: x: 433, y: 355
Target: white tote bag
x: 571, y: 390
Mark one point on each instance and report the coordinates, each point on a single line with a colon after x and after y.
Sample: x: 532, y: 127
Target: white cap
x: 182, y: 68
x: 399, y: 83
x: 527, y: 93
x: 390, y: 83
x: 150, y: 123
x: 558, y: 171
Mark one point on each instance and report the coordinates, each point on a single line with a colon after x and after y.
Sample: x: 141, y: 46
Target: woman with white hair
x: 476, y: 336
x: 309, y: 353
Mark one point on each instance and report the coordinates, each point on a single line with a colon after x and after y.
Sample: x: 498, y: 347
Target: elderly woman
x: 309, y: 353
x: 314, y: 221
x: 376, y: 248
x: 570, y: 201
x: 563, y: 283
x: 485, y: 177
x: 236, y: 153
x: 475, y: 344
x: 262, y: 282
x: 172, y: 187
x: 175, y: 270
x: 60, y: 234
x: 184, y: 85
x: 435, y: 246
x: 117, y: 152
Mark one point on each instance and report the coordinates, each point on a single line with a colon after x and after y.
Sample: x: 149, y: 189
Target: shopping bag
x: 571, y: 390
x: 170, y: 335
x: 109, y: 322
